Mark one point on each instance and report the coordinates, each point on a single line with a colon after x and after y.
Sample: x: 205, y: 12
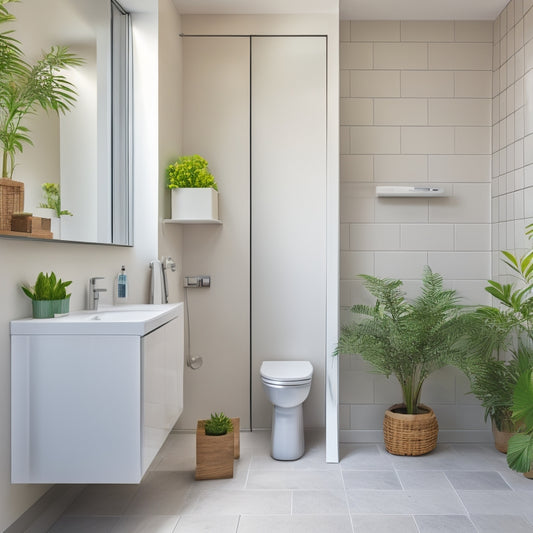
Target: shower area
x: 256, y: 107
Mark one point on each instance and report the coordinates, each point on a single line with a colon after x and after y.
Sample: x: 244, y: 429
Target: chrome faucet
x: 94, y: 293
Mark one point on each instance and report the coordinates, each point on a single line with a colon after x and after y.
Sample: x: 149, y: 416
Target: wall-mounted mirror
x: 85, y: 152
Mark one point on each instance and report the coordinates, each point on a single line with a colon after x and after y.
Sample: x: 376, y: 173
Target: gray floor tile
x: 84, y: 524
x: 501, y: 524
x: 364, y: 457
x: 496, y: 502
x: 295, y: 524
x: 444, y: 524
x: 295, y: 479
x: 424, y: 480
x: 406, y: 502
x: 145, y: 524
x: 235, y: 502
x: 319, y: 502
x: 371, y: 480
x: 516, y: 480
x: 467, y: 480
x: 384, y: 524
x: 102, y: 500
x: 207, y: 524
x: 161, y: 493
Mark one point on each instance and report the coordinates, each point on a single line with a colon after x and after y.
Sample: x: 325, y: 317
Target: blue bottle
x: 122, y: 286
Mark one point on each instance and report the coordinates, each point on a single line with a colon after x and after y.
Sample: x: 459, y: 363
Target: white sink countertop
x: 135, y: 319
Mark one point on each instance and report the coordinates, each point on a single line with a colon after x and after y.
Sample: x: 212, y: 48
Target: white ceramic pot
x: 194, y: 204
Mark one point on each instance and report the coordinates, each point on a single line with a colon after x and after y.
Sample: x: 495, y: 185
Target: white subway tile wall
x: 422, y: 104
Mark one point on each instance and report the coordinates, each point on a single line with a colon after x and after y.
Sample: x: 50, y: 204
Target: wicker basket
x: 410, y: 434
x: 11, y: 201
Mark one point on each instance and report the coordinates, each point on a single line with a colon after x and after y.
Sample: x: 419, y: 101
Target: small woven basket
x: 410, y: 434
x: 11, y: 201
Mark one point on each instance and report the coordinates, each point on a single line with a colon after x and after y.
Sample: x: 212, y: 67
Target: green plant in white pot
x: 51, y: 208
x: 194, y: 189
x: 408, y: 340
x: 49, y: 296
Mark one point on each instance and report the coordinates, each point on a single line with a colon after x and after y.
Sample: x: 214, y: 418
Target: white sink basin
x: 137, y: 319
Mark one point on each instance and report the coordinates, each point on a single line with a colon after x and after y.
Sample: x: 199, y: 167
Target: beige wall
x: 415, y: 110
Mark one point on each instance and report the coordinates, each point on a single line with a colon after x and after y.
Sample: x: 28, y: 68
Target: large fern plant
x: 407, y: 339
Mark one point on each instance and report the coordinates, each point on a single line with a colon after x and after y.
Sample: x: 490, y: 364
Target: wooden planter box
x: 215, y: 454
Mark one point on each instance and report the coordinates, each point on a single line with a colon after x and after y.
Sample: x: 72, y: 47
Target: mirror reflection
x: 61, y: 178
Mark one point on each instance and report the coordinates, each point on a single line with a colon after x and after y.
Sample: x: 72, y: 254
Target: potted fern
x: 48, y: 296
x: 408, y: 340
x: 25, y: 88
x: 217, y: 445
x: 193, y: 188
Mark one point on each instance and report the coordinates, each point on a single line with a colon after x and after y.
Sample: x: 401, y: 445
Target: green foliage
x: 47, y: 287
x: 218, y: 424
x: 506, y: 327
x: 409, y: 340
x: 520, y: 446
x: 24, y: 88
x: 53, y: 199
x: 190, y: 171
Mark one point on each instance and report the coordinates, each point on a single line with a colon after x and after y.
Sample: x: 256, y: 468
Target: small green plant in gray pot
x: 49, y: 296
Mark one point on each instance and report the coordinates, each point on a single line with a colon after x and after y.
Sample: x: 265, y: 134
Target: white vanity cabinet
x: 96, y: 405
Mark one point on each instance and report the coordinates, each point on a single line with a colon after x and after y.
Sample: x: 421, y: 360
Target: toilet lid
x: 286, y: 370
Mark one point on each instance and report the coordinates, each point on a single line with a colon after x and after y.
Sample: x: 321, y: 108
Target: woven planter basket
x: 11, y: 201
x: 410, y: 434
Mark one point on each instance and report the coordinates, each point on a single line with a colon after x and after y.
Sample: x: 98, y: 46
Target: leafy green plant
x: 47, y: 287
x: 409, y: 340
x: 218, y: 424
x: 53, y: 199
x: 520, y: 446
x: 24, y: 88
x: 502, y: 329
x: 190, y: 171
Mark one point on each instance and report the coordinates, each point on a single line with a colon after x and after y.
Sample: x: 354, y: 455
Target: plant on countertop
x: 505, y: 328
x: 53, y: 199
x: 24, y: 88
x: 190, y: 171
x: 218, y: 424
x: 409, y: 340
x: 47, y: 287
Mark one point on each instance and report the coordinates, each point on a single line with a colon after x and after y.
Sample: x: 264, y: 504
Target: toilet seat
x: 285, y: 383
x: 286, y: 372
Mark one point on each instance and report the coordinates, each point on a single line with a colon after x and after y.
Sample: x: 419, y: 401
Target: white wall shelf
x: 214, y: 221
x: 398, y: 191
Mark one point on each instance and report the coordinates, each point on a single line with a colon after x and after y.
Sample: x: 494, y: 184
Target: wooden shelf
x: 192, y: 221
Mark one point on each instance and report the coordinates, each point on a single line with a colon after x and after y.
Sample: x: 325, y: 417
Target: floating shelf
x: 192, y: 221
x: 409, y: 192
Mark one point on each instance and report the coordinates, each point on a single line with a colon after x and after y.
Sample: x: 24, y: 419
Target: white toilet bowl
x: 287, y: 384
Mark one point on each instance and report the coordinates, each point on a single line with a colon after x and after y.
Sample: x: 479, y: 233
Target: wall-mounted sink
x: 112, y: 320
x: 94, y: 394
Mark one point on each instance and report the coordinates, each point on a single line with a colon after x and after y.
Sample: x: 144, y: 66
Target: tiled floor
x: 457, y: 488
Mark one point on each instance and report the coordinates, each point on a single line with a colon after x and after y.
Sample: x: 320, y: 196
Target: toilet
x: 287, y: 385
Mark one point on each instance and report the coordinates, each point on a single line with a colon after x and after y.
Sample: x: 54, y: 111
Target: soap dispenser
x: 121, y: 291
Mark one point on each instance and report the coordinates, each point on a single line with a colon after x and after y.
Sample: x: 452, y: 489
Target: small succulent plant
x: 218, y: 424
x: 47, y: 287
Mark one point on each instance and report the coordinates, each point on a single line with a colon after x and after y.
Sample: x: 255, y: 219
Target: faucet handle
x: 92, y: 281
